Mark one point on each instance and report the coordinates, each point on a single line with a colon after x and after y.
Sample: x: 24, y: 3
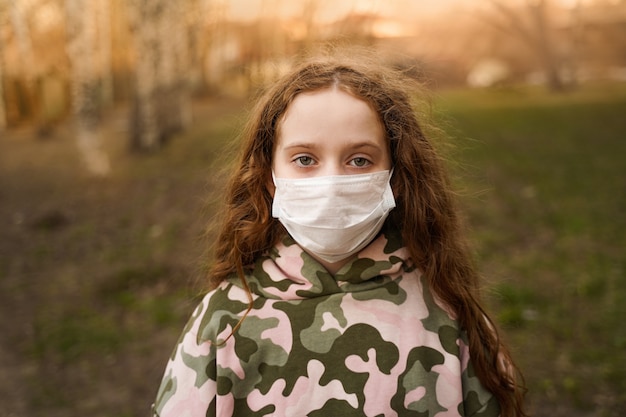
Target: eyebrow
x: 310, y: 145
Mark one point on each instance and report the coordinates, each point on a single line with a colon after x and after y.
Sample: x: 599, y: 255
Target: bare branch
x: 515, y: 23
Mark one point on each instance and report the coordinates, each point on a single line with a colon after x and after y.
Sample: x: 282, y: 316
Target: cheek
x: 389, y: 163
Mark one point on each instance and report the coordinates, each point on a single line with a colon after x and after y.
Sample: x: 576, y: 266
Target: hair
x: 425, y: 212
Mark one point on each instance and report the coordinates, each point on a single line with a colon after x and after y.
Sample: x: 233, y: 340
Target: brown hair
x: 425, y: 211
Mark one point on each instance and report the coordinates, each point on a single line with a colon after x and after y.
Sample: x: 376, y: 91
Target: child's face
x: 329, y: 132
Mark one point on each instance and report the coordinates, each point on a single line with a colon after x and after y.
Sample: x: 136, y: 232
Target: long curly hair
x: 425, y: 211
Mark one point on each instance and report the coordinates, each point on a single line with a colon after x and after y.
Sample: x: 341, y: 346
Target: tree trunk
x: 85, y: 84
x: 28, y: 63
x: 161, y: 47
x: 3, y: 110
x: 105, y: 46
x: 545, y: 48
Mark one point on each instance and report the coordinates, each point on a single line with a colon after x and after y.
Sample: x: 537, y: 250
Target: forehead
x: 329, y: 107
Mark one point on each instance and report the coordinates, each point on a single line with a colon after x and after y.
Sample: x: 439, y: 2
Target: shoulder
x: 189, y: 382
x: 216, y: 312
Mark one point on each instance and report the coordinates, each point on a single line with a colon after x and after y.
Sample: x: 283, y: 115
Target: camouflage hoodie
x: 370, y: 341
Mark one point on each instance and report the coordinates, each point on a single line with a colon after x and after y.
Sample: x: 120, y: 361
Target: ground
x: 98, y: 275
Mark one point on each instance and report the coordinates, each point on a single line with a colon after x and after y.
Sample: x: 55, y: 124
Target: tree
x: 103, y: 15
x: 533, y: 28
x: 160, y: 40
x: 3, y: 111
x: 82, y: 47
x: 28, y: 61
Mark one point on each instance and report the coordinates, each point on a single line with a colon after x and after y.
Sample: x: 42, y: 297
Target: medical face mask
x: 333, y: 217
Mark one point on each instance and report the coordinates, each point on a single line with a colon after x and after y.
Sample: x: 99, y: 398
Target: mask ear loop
x: 389, y: 200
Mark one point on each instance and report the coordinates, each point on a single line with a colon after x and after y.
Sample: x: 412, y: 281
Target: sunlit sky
x: 328, y: 10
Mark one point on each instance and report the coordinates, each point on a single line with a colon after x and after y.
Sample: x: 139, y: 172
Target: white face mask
x: 333, y: 217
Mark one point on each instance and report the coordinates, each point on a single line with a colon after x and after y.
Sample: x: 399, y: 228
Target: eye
x: 304, y: 161
x: 360, y: 162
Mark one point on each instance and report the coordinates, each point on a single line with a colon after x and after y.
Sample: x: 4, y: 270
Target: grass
x: 544, y: 181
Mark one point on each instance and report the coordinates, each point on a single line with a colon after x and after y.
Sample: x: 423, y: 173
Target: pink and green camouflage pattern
x: 370, y: 341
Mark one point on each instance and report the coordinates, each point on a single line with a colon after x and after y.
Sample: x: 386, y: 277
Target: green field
x: 543, y: 180
x: 97, y: 276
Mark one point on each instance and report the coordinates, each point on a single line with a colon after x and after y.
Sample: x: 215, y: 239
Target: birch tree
x: 103, y: 16
x: 82, y: 47
x: 28, y: 62
x: 161, y: 48
x: 3, y: 110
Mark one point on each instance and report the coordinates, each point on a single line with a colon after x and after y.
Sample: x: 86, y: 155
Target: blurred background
x: 117, y: 118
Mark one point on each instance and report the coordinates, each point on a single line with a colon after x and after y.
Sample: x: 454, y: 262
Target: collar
x: 287, y: 272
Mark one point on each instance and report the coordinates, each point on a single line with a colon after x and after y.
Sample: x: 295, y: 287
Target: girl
x: 341, y: 285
